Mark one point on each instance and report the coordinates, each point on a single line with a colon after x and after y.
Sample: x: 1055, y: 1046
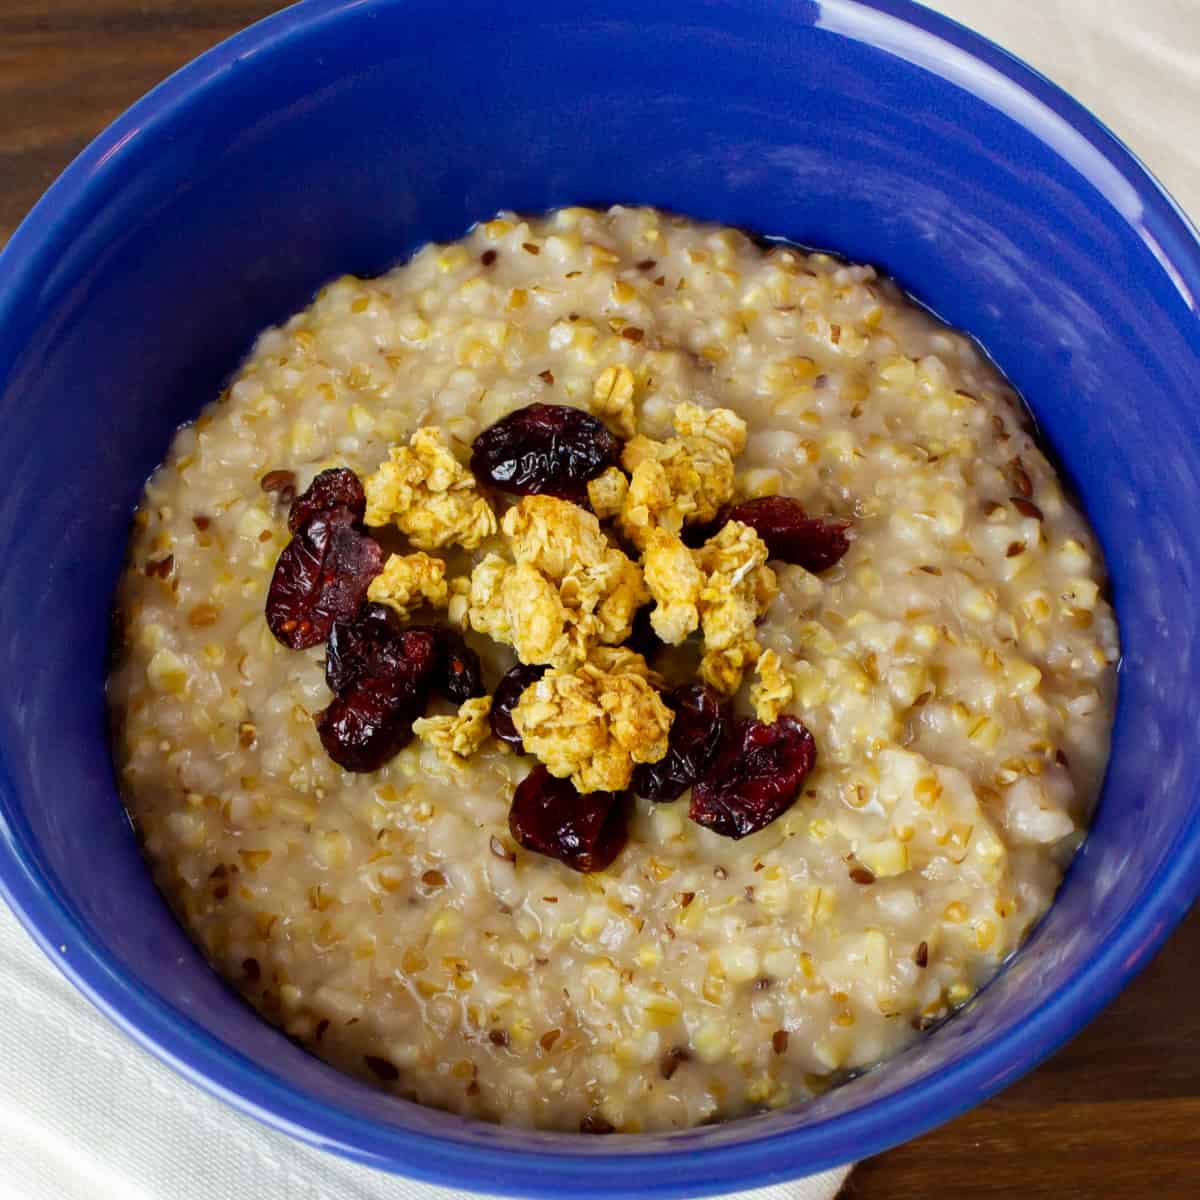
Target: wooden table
x: 1114, y: 1114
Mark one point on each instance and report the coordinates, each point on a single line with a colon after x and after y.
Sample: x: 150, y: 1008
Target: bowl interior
x: 342, y: 136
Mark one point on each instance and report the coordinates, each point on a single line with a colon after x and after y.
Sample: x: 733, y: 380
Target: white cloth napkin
x: 87, y: 1115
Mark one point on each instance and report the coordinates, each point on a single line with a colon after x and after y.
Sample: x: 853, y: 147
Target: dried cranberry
x: 371, y: 718
x: 790, y: 534
x: 545, y: 448
x: 365, y: 726
x: 356, y: 647
x: 506, y: 697
x: 457, y: 674
x: 321, y: 577
x: 360, y: 646
x: 756, y: 777
x: 695, y: 739
x: 338, y: 487
x: 583, y: 830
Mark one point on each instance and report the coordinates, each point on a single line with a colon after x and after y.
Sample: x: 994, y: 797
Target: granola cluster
x: 408, y: 581
x: 684, y: 480
x: 429, y: 495
x: 592, y: 724
x: 455, y: 738
x: 773, y: 691
x: 566, y: 589
x: 722, y: 589
x: 612, y: 397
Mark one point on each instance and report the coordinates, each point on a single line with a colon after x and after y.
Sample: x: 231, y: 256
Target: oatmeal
x: 605, y: 674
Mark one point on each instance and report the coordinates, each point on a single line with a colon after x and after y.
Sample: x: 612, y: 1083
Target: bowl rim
x: 757, y: 1160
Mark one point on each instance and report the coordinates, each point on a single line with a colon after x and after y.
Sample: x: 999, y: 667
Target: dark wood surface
x: 1116, y: 1113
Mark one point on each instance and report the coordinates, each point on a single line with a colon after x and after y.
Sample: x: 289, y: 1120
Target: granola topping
x: 686, y: 479
x: 409, y: 580
x: 773, y: 691
x: 722, y: 589
x: 567, y: 590
x: 612, y: 398
x: 456, y: 738
x: 593, y: 724
x: 429, y: 495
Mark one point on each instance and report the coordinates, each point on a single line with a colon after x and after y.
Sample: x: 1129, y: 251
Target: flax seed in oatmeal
x: 955, y: 667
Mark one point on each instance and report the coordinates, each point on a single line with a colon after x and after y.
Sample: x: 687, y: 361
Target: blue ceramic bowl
x: 338, y: 136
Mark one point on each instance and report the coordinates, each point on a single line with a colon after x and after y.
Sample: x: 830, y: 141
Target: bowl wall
x: 338, y: 137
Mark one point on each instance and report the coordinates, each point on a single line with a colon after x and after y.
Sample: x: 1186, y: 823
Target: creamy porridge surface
x: 956, y: 668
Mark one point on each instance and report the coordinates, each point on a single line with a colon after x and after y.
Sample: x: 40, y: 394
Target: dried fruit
x: 756, y: 777
x: 695, y: 738
x: 338, y: 487
x: 457, y: 674
x: 358, y: 647
x: 505, y: 699
x: 585, y: 832
x: 364, y: 727
x: 371, y: 718
x: 355, y: 645
x: 549, y: 449
x: 321, y: 576
x: 790, y: 534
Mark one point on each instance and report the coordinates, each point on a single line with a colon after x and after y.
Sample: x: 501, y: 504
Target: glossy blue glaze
x: 338, y: 137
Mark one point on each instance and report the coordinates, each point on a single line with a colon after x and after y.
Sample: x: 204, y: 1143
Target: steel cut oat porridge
x: 473, y: 559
